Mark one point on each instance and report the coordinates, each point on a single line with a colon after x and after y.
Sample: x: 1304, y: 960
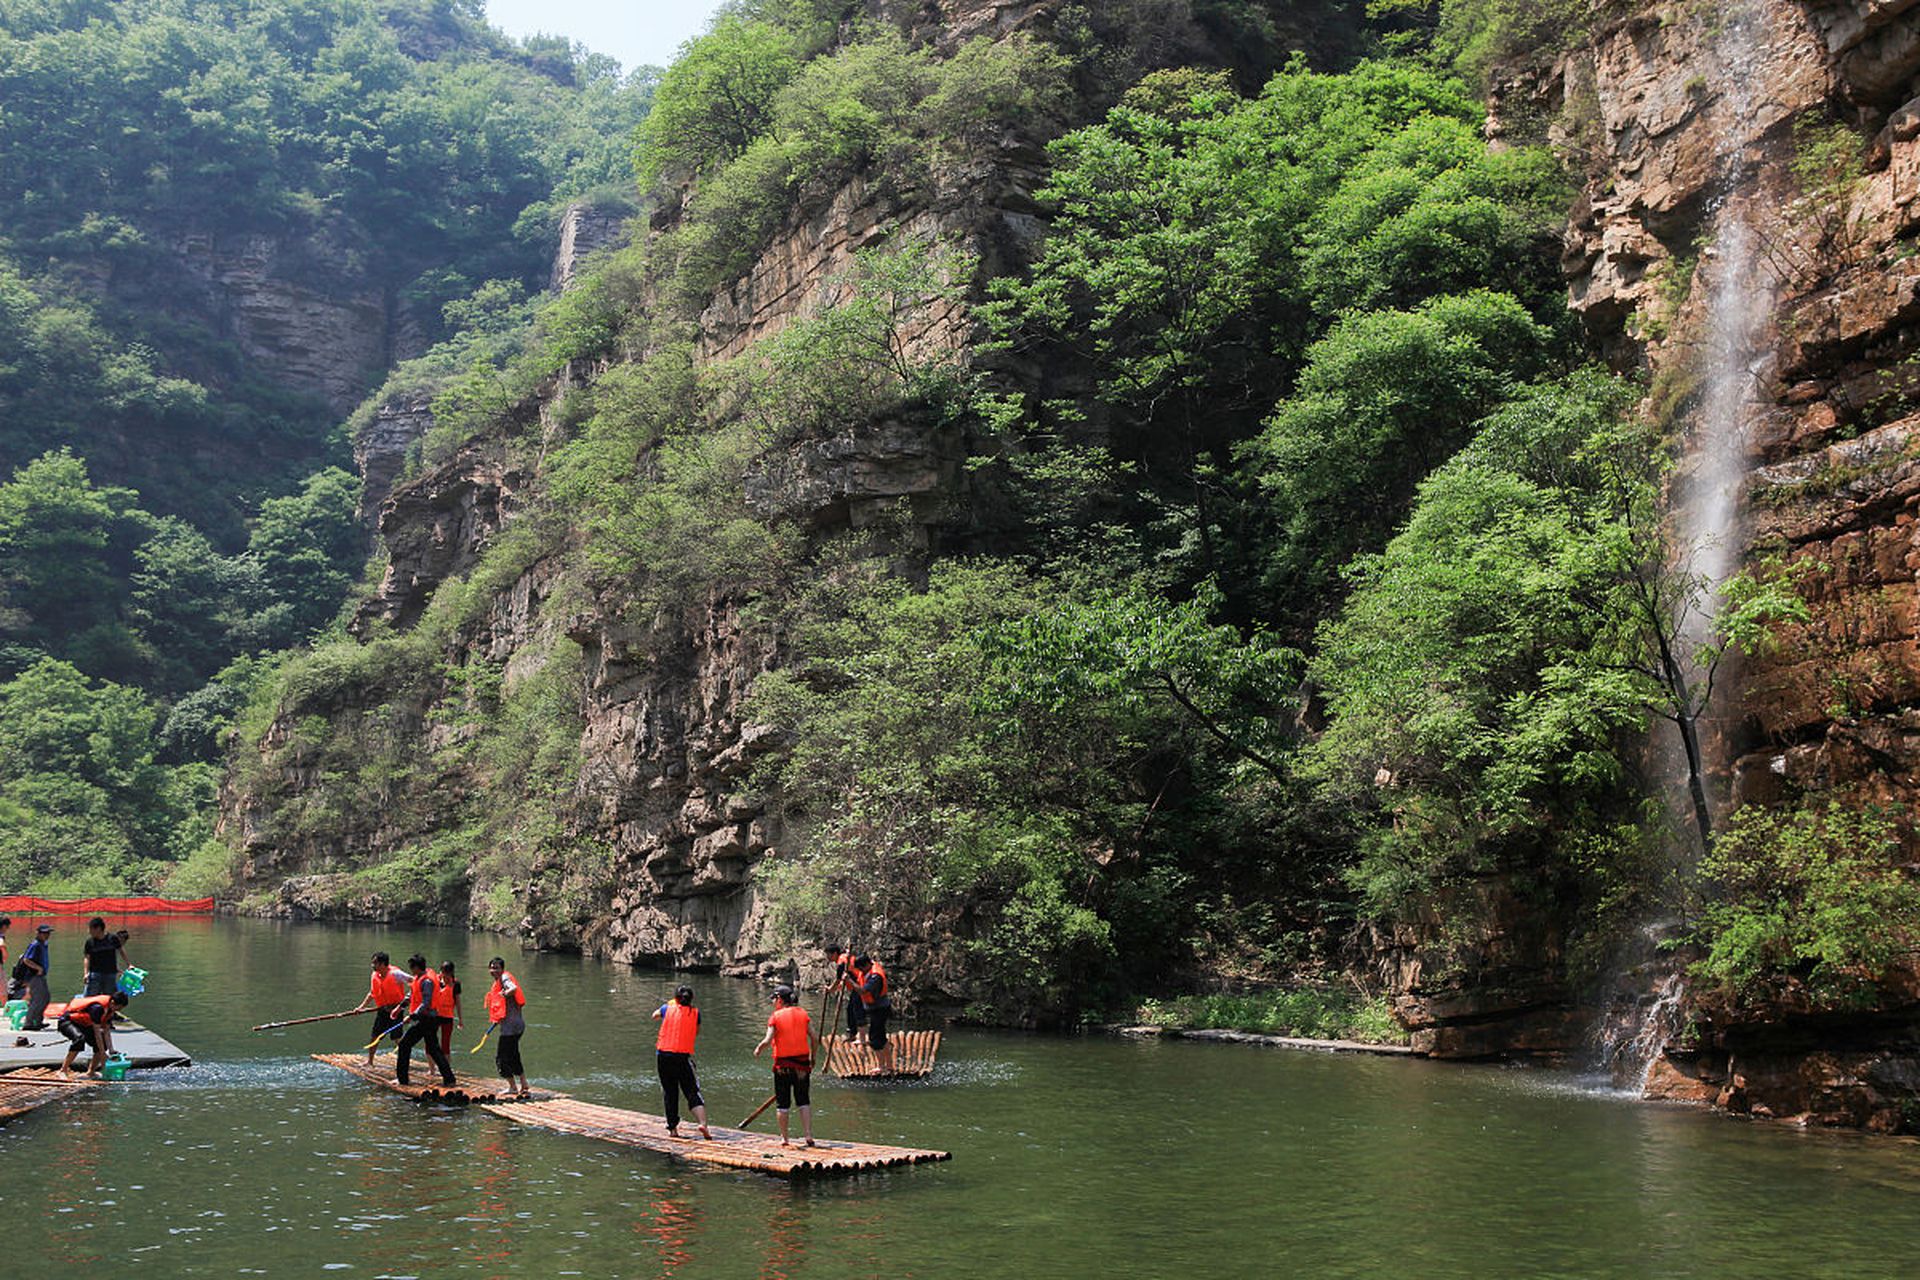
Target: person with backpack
x: 673, y: 1059
x: 505, y: 1005
x: 33, y: 968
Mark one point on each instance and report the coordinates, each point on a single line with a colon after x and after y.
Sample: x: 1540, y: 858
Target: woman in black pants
x: 673, y: 1056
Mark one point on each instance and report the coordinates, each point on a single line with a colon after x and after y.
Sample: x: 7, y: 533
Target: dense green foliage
x: 1815, y: 892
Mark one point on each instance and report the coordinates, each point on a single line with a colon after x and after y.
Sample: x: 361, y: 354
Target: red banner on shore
x: 29, y: 906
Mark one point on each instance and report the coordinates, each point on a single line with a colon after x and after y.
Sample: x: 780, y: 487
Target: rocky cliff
x: 1764, y: 156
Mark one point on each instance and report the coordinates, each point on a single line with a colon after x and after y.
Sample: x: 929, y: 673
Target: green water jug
x: 133, y: 982
x: 15, y: 1013
x: 116, y: 1067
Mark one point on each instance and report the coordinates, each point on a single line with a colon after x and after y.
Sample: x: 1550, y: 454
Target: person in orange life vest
x: 673, y: 1059
x: 874, y: 993
x: 386, y: 996
x: 790, y: 1032
x: 843, y: 980
x: 505, y: 1002
x: 86, y: 1023
x: 428, y: 1002
x: 458, y: 1019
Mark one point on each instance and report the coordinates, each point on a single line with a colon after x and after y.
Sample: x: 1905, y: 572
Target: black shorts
x: 386, y: 1019
x: 506, y: 1056
x: 877, y: 1026
x: 82, y: 1036
x: 792, y: 1086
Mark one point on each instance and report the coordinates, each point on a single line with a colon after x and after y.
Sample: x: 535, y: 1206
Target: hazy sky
x: 634, y: 31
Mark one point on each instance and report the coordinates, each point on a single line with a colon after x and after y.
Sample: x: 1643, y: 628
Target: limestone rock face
x: 305, y: 311
x: 585, y: 229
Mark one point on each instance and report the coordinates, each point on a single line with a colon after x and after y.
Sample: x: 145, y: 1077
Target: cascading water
x: 1643, y: 1013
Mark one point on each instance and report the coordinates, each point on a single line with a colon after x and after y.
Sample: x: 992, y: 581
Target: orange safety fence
x: 31, y: 906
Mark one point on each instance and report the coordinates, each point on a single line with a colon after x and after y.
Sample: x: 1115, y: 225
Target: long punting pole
x: 318, y: 1017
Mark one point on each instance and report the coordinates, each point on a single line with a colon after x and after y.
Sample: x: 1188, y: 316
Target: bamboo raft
x: 22, y: 1091
x: 913, y: 1053
x: 425, y: 1085
x: 733, y: 1148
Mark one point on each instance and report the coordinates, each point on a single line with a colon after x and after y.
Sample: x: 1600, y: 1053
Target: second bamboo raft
x: 913, y: 1054
x: 733, y: 1148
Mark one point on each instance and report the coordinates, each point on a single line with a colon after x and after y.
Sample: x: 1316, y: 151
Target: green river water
x: 1079, y: 1156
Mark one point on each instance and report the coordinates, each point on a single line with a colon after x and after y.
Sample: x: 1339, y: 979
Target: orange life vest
x: 415, y: 994
x: 678, y: 1026
x: 791, y: 1032
x: 387, y: 990
x: 866, y: 996
x: 443, y: 995
x: 497, y: 997
x: 93, y: 1010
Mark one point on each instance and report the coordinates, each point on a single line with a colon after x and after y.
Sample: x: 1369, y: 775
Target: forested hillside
x: 220, y: 225
x: 1195, y: 500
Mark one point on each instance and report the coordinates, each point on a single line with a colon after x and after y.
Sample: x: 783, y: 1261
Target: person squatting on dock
x: 673, y: 1059
x: 87, y: 1022
x: 385, y: 996
x: 790, y: 1032
x: 505, y: 1005
x: 429, y: 1003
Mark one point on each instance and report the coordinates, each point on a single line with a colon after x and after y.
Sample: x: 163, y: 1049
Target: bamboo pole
x: 318, y: 1017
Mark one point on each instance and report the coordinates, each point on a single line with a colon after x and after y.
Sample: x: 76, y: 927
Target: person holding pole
x: 673, y: 1059
x: 429, y: 1003
x: 872, y: 978
x: 385, y: 995
x: 845, y: 982
x: 505, y: 1003
x: 790, y: 1032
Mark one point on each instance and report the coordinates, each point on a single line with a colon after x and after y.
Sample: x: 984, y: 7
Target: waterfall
x: 1644, y: 1008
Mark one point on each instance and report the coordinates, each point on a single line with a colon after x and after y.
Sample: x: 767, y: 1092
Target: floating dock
x: 48, y: 1048
x: 732, y: 1148
x: 913, y: 1053
x: 22, y: 1091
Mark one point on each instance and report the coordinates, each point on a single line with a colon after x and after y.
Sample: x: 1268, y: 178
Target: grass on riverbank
x: 1316, y: 1013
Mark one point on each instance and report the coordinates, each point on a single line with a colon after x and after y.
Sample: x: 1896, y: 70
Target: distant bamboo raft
x: 22, y: 1091
x: 913, y: 1053
x: 734, y: 1148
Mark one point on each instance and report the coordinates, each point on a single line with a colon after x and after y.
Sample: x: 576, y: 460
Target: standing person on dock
x: 790, y: 1032
x: 872, y: 976
x: 386, y: 996
x: 103, y: 955
x: 506, y: 1003
x: 428, y: 1003
x: 37, y: 964
x: 87, y: 1022
x: 844, y: 979
x: 458, y: 1019
x: 673, y: 1059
